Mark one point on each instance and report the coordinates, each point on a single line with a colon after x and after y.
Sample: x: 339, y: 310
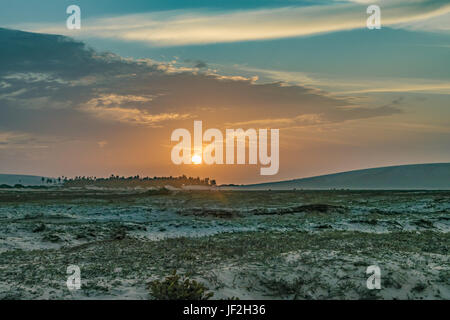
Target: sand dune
x: 417, y: 176
x: 26, y: 180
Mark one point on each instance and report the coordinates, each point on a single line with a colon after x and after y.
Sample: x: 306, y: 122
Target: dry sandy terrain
x: 244, y: 244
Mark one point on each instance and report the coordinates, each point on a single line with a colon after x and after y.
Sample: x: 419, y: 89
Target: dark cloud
x: 199, y: 64
x: 54, y: 85
x: 58, y: 55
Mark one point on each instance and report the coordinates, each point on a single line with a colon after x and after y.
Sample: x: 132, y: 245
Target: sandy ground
x: 249, y: 245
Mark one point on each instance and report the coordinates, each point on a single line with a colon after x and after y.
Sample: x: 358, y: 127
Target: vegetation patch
x: 175, y: 287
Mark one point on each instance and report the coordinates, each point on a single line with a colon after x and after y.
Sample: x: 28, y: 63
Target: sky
x: 104, y: 99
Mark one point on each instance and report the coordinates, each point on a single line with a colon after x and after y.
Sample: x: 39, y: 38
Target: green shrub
x: 175, y: 287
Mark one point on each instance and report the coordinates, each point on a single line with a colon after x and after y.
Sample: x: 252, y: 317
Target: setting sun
x: 196, y: 159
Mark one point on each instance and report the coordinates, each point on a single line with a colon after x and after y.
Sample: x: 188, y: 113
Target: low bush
x: 176, y: 287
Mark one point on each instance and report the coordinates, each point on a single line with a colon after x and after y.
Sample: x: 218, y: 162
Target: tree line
x: 132, y: 181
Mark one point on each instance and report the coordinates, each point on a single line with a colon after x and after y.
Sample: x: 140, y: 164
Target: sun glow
x: 196, y: 159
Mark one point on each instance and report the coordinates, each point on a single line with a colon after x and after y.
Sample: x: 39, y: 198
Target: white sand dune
x: 26, y: 180
x: 433, y: 176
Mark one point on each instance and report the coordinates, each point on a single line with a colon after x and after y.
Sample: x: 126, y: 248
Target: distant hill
x: 417, y: 176
x: 26, y: 180
x: 431, y: 176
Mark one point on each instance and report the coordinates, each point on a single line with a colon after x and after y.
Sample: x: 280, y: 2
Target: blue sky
x: 343, y: 52
x: 345, y: 96
x: 50, y: 10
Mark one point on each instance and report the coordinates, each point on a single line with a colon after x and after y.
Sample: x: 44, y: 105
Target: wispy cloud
x: 301, y: 120
x: 346, y: 85
x: 439, y: 88
x: 439, y: 23
x: 24, y: 140
x: 109, y: 108
x: 182, y: 28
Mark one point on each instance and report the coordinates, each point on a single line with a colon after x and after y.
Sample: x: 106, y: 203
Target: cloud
x: 24, y: 140
x: 199, y: 64
x: 301, y: 120
x: 102, y: 143
x: 115, y: 99
x: 438, y: 88
x: 343, y: 85
x: 8, y: 139
x: 4, y: 85
x: 440, y: 23
x: 32, y: 77
x: 111, y: 112
x: 60, y: 87
x: 171, y: 28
